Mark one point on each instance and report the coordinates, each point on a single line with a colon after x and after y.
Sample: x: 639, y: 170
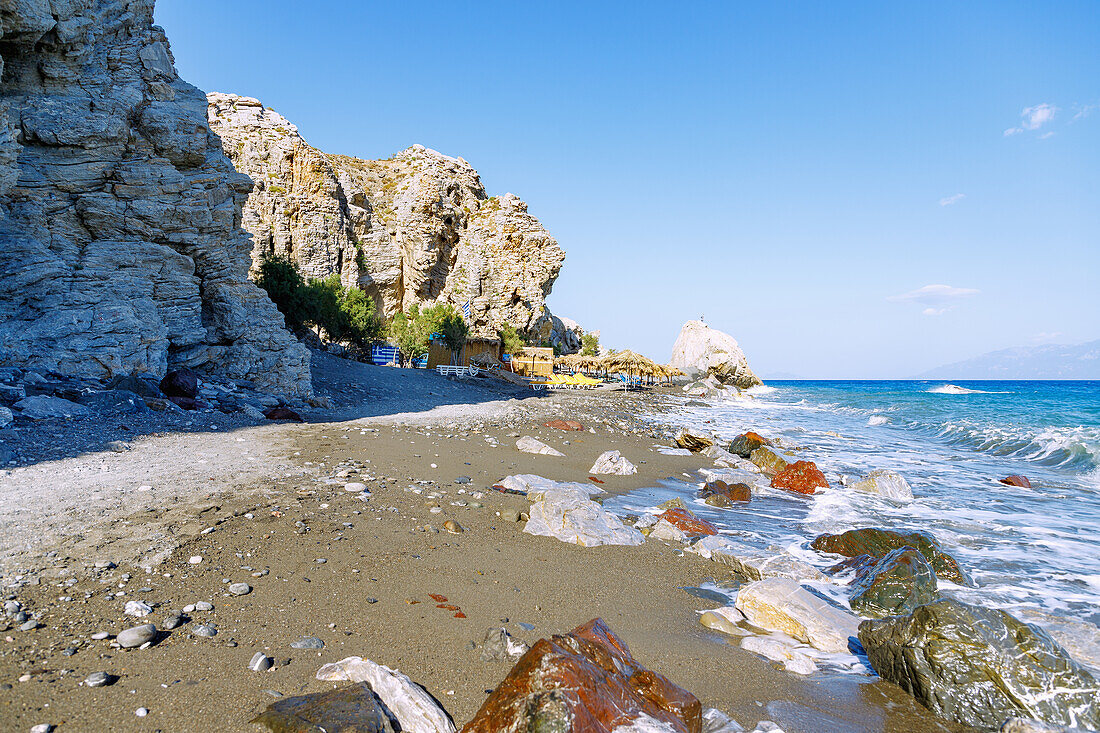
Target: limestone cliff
x: 700, y: 349
x: 415, y: 228
x: 120, y: 216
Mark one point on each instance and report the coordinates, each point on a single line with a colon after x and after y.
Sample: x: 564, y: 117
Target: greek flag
x: 466, y: 310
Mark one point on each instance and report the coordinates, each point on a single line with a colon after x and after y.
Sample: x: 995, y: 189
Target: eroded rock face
x: 880, y: 542
x: 979, y: 666
x: 120, y: 216
x: 585, y: 681
x: 700, y: 349
x: 415, y: 228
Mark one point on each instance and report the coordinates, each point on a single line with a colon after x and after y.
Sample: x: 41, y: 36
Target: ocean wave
x: 956, y: 389
x: 760, y: 389
x: 877, y: 420
x: 1077, y: 448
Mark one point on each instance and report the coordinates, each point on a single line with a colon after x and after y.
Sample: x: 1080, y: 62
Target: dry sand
x: 370, y: 596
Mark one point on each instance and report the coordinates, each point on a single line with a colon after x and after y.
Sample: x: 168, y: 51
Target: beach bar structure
x: 438, y: 354
x: 534, y: 361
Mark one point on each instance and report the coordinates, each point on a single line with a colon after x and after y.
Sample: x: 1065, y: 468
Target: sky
x: 851, y: 190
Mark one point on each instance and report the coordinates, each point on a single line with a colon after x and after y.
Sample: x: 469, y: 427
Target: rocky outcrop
x: 700, y: 349
x: 878, y: 543
x: 120, y: 216
x: 414, y: 228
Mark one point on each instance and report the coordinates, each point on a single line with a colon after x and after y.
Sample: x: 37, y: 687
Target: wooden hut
x: 440, y: 354
x: 534, y: 361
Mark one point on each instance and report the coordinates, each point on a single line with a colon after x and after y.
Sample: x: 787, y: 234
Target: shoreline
x: 493, y: 571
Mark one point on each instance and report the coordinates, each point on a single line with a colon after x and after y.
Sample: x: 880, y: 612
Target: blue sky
x: 800, y: 174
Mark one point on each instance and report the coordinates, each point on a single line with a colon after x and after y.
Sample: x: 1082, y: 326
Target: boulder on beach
x: 767, y: 460
x: 586, y: 680
x: 884, y: 483
x: 721, y: 494
x: 801, y: 477
x: 979, y: 666
x: 407, y: 704
x: 613, y: 463
x: 700, y: 349
x: 39, y: 407
x: 564, y: 511
x: 878, y: 543
x: 781, y: 604
x: 894, y: 586
x: 686, y: 521
x: 527, y: 444
x: 180, y: 383
x: 353, y: 707
x: 749, y: 563
x: 695, y: 442
x: 745, y: 443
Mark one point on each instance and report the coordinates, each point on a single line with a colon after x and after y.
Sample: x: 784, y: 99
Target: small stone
x: 355, y: 486
x: 308, y: 642
x: 136, y: 636
x: 141, y: 712
x: 463, y: 480
x: 320, y: 561
x: 240, y: 589
x: 100, y: 636
x: 173, y: 622
x: 260, y: 662
x: 453, y: 527
x: 189, y: 608
x: 98, y: 679
x: 29, y: 625
x: 509, y: 515
x: 205, y: 630
x: 138, y: 609
x: 195, y: 559
x: 42, y: 728
x: 204, y: 606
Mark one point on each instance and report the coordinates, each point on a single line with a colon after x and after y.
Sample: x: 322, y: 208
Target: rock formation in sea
x: 120, y: 216
x: 700, y: 350
x: 415, y: 228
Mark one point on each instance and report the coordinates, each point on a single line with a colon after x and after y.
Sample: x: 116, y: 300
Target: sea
x: 1034, y: 549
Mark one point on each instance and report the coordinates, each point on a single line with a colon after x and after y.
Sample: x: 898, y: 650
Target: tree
x: 406, y: 330
x: 590, y: 344
x: 511, y: 341
x: 454, y: 330
x: 280, y: 278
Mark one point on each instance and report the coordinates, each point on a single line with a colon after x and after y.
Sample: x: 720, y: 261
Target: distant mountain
x: 1027, y: 362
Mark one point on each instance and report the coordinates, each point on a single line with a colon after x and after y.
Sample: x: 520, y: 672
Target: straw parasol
x: 629, y: 362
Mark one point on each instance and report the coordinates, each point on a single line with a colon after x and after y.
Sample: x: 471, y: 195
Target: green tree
x: 511, y: 340
x: 454, y: 330
x: 407, y: 331
x: 590, y: 344
x: 280, y: 278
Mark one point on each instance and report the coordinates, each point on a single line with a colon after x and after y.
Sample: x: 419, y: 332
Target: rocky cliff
x: 415, y: 228
x: 700, y: 349
x: 120, y: 216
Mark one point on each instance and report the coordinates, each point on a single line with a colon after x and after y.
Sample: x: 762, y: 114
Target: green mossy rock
x: 878, y: 543
x: 894, y: 586
x: 351, y: 708
x: 979, y: 666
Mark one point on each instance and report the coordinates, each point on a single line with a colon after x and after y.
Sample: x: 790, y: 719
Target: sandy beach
x: 265, y: 505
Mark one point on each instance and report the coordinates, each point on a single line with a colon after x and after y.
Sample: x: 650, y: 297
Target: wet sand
x: 370, y: 595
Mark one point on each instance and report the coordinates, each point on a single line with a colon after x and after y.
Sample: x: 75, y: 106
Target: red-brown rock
x: 719, y: 490
x: 282, y: 413
x: 688, y: 523
x: 564, y: 425
x: 585, y: 681
x: 1015, y: 480
x: 802, y: 477
x: 745, y: 443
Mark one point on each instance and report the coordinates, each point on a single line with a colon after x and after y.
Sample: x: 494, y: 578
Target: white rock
x: 416, y: 711
x: 564, y: 511
x: 781, y: 604
x: 754, y: 564
x: 138, y: 609
x: 884, y: 483
x: 612, y: 463
x: 666, y: 530
x: 701, y: 350
x: 536, y: 487
x: 527, y: 444
x: 644, y: 724
x: 195, y: 559
x: 354, y: 486
x: 792, y: 659
x: 715, y: 721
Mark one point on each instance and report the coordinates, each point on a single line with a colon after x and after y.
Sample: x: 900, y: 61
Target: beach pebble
x: 141, y: 712
x: 195, y: 559
x: 453, y: 527
x: 98, y: 679
x: 204, y: 606
x: 138, y: 609
x: 42, y: 728
x: 355, y: 486
x: 308, y: 642
x: 260, y: 662
x: 463, y: 480
x: 30, y: 625
x: 173, y: 622
x: 240, y: 589
x: 12, y: 607
x: 100, y: 635
x: 205, y: 630
x: 509, y: 515
x: 136, y: 636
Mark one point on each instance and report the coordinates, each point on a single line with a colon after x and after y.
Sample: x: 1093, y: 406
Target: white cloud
x: 1046, y: 337
x: 948, y: 200
x: 1084, y: 111
x: 936, y: 299
x: 1034, y: 118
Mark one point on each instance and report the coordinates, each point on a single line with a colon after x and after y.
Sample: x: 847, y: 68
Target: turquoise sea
x: 1034, y: 549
